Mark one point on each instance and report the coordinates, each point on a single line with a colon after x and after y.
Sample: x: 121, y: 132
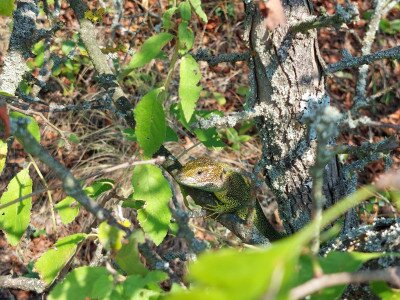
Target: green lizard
x: 233, y: 190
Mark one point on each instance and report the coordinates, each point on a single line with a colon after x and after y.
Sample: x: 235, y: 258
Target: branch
x: 233, y: 118
x: 384, y: 91
x: 324, y: 124
x: 22, y: 283
x: 349, y: 61
x: 106, y: 78
x: 367, y: 153
x: 155, y: 262
x: 390, y: 275
x: 212, y: 60
x: 343, y: 15
x: 367, y: 148
x: 71, y: 185
x: 21, y: 40
x: 381, y: 8
x: 366, y: 121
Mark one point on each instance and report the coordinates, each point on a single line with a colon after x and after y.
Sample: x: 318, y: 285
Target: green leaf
x: 389, y: 27
x: 39, y: 60
x: 135, y: 204
x: 6, y: 7
x: 68, y: 209
x: 394, y: 197
x: 209, y: 137
x: 150, y: 185
x: 3, y: 155
x: 67, y: 47
x: 110, y: 236
x: 242, y: 91
x: 257, y: 270
x: 221, y: 100
x: 128, y: 258
x: 199, y: 11
x: 150, y: 123
x: 33, y: 127
x: 129, y: 134
x: 167, y: 16
x: 52, y: 261
x: 186, y: 38
x: 5, y: 94
x: 189, y: 88
x: 171, y: 135
x: 384, y: 292
x: 137, y: 287
x: 99, y: 187
x: 185, y: 10
x: 149, y: 50
x: 15, y: 218
x: 83, y: 283
x: 136, y: 283
x: 73, y: 138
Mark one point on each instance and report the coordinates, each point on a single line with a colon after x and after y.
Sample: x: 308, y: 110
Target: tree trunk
x: 287, y: 81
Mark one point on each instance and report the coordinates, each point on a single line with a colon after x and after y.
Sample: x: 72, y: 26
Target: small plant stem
x: 53, y: 216
x: 171, y: 68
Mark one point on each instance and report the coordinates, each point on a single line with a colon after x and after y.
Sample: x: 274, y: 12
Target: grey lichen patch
x: 69, y: 183
x: 13, y: 70
x: 310, y: 104
x: 382, y: 236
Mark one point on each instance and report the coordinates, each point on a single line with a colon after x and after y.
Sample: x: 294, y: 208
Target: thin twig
x: 157, y: 160
x: 391, y: 275
x: 350, y: 123
x: 71, y: 185
x: 380, y: 9
x: 53, y: 217
x: 343, y: 15
x: 350, y: 62
x: 384, y: 91
x: 32, y: 112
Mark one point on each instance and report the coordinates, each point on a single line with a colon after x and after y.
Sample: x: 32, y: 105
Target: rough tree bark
x: 287, y: 80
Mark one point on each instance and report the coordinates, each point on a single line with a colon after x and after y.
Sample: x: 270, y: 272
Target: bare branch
x: 366, y: 121
x: 22, y: 283
x: 391, y: 275
x: 107, y: 79
x: 324, y: 124
x: 212, y: 60
x: 343, y: 15
x: 384, y: 91
x: 233, y: 118
x: 381, y: 8
x: 367, y: 148
x: 350, y: 62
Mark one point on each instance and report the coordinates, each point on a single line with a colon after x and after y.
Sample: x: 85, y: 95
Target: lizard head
x: 203, y: 173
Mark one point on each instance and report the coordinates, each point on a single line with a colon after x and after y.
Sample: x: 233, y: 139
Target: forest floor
x: 88, y: 141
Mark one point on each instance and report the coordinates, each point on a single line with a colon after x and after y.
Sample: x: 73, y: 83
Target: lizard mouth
x: 205, y: 186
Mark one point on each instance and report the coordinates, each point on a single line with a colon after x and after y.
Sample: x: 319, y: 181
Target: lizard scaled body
x: 233, y: 190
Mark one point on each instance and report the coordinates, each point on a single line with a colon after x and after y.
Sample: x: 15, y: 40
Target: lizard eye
x: 199, y: 172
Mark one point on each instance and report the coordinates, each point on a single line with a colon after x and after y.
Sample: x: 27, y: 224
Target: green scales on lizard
x: 233, y: 190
